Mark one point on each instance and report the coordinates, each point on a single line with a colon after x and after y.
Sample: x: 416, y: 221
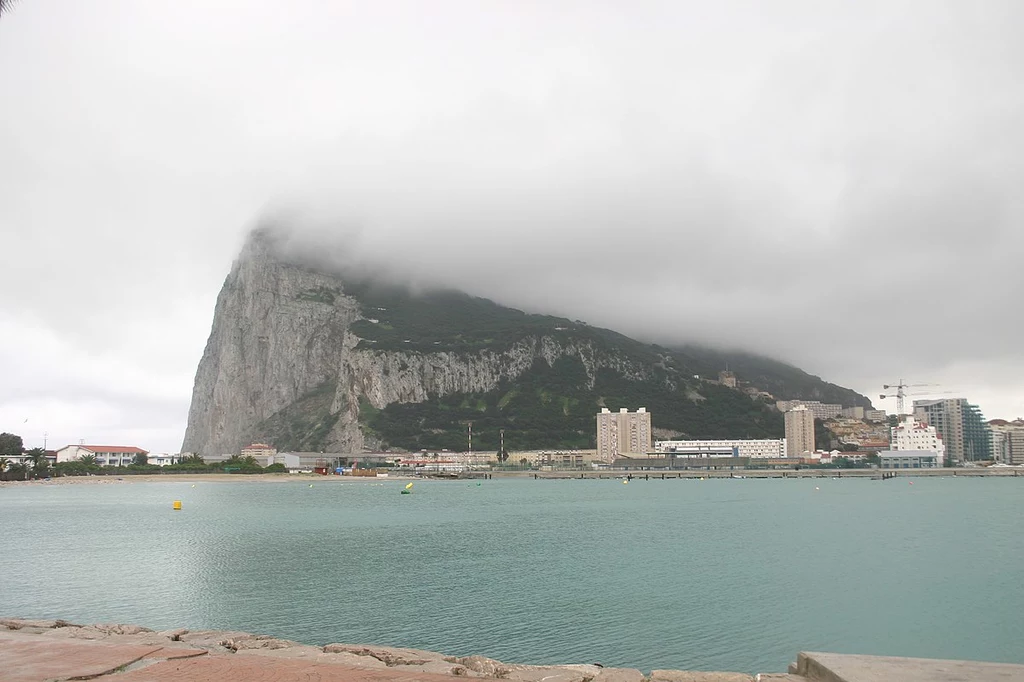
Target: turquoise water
x: 718, y: 574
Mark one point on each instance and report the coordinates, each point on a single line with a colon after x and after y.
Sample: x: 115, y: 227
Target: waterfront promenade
x: 52, y: 650
x: 668, y: 474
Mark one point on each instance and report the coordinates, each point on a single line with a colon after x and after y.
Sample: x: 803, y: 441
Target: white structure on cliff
x: 623, y: 433
x: 819, y: 409
x: 769, y: 448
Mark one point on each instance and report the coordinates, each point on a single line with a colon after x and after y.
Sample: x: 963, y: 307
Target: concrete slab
x: 697, y: 676
x: 221, y: 668
x: 854, y: 668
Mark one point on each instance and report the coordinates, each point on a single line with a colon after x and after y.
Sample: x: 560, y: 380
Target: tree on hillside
x: 11, y: 444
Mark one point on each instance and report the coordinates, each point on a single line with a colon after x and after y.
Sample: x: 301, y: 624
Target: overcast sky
x: 838, y: 184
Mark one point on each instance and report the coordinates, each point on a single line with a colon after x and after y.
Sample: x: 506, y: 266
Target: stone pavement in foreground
x: 55, y: 651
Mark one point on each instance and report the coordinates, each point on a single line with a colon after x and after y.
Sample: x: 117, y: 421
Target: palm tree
x: 5, y: 6
x: 88, y: 460
x: 40, y: 465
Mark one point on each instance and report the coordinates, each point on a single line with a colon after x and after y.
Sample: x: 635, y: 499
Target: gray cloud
x: 831, y: 183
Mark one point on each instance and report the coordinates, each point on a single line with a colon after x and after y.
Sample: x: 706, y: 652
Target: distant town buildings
x: 960, y: 425
x: 106, y: 455
x: 799, y: 431
x: 754, y: 449
x: 1007, y: 441
x: 259, y: 450
x: 623, y: 432
x: 820, y: 410
x: 911, y: 435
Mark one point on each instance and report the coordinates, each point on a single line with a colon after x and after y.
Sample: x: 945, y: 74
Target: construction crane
x: 900, y: 393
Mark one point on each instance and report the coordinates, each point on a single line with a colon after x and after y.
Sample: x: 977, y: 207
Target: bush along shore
x: 233, y: 652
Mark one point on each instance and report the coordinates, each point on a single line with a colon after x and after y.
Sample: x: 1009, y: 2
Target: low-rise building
x: 106, y: 455
x: 909, y: 459
x: 755, y: 449
x: 820, y: 410
x: 259, y: 450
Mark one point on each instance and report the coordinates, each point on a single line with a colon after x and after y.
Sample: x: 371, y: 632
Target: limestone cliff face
x: 281, y: 355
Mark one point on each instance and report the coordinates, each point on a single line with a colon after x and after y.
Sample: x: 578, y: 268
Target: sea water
x: 716, y: 574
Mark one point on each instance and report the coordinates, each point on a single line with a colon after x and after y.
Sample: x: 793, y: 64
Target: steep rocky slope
x: 314, y: 361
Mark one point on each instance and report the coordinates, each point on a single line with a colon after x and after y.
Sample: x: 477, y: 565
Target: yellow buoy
x: 177, y: 505
x: 625, y: 482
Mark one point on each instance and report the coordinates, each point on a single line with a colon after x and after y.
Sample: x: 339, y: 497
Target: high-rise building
x: 623, y: 433
x: 911, y: 434
x: 1007, y: 444
x: 960, y: 425
x: 799, y: 431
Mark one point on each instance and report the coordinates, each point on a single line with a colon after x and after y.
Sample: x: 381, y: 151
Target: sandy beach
x: 200, y: 478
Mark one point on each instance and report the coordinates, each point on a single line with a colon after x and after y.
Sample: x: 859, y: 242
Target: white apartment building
x: 817, y: 408
x: 106, y: 455
x: 755, y: 449
x: 911, y: 434
x: 623, y: 433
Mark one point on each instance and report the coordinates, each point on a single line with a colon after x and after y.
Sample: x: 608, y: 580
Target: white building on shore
x: 106, y: 455
x: 913, y: 435
x: 755, y: 449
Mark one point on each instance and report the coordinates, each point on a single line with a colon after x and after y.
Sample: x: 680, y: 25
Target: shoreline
x: 634, y: 475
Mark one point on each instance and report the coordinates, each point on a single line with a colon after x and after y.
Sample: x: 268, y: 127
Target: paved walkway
x: 850, y: 668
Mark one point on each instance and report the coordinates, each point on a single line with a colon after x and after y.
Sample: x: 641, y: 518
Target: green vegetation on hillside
x: 440, y: 321
x: 304, y: 425
x: 553, y: 407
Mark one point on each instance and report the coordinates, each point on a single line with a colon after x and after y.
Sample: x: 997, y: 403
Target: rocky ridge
x: 282, y: 334
x: 311, y: 355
